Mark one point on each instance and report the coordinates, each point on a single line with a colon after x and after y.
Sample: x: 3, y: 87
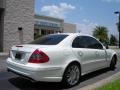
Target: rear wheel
x: 72, y: 75
x: 113, y: 63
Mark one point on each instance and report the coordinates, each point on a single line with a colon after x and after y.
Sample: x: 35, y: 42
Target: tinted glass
x: 79, y: 42
x: 49, y: 40
x: 86, y: 42
x: 93, y: 43
x: 76, y: 43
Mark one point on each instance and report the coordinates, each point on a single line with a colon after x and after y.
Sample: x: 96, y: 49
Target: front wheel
x: 72, y: 75
x: 113, y: 63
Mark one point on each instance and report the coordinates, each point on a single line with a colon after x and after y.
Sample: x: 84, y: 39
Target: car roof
x: 74, y: 34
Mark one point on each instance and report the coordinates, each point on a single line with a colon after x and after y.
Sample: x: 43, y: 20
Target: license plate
x: 18, y: 56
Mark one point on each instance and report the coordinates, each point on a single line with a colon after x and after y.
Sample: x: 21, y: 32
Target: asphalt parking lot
x: 10, y: 81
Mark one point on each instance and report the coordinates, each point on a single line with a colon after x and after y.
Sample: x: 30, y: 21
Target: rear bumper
x: 36, y: 73
x: 9, y: 70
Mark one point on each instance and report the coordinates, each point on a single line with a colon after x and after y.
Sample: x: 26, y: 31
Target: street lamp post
x: 118, y: 25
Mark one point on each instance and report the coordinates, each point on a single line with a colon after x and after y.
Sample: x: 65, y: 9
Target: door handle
x: 80, y: 53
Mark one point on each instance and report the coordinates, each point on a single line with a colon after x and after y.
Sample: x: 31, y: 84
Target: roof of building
x: 48, y: 18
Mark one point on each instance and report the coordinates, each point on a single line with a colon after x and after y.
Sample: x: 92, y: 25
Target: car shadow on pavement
x: 94, y: 74
x: 24, y: 84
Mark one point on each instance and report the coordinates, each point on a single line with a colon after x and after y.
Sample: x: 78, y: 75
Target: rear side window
x: 86, y: 42
x: 80, y: 42
x: 49, y: 40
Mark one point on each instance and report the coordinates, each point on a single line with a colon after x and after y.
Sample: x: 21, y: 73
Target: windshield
x: 49, y: 39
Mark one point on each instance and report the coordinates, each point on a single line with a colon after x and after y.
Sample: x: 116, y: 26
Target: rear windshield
x: 49, y: 39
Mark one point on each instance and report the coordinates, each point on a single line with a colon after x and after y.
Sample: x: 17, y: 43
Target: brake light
x: 38, y: 57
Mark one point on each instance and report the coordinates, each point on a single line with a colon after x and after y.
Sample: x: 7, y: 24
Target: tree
x: 113, y: 40
x: 101, y: 33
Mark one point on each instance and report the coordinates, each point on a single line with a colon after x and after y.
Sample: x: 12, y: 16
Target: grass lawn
x: 115, y: 85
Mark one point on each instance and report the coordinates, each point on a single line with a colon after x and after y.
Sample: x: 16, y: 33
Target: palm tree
x: 101, y: 33
x: 113, y: 40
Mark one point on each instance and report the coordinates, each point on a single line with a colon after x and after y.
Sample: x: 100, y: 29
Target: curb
x: 101, y: 82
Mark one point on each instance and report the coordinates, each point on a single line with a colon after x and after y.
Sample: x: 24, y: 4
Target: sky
x: 86, y: 14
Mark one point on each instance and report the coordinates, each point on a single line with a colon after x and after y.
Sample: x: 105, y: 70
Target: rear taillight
x: 38, y: 57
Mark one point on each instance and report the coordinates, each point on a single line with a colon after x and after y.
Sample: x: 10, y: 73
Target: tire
x: 113, y: 63
x: 71, y: 75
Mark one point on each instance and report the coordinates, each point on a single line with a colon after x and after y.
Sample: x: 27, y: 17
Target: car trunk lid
x: 22, y: 53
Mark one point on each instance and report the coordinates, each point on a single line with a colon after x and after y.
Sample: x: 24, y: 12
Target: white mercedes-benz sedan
x: 60, y: 58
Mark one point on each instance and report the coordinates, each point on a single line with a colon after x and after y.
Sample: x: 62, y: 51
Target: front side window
x: 49, y: 40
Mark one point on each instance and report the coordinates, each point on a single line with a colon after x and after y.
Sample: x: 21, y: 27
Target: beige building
x: 69, y: 28
x: 16, y: 22
x: 47, y: 25
x: 19, y: 25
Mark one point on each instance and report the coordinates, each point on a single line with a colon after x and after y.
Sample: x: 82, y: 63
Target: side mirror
x: 107, y: 47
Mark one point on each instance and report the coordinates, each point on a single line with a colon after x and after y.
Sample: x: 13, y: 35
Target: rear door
x: 100, y: 53
x: 88, y: 54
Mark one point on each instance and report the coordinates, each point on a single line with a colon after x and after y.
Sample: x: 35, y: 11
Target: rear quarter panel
x: 59, y: 57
